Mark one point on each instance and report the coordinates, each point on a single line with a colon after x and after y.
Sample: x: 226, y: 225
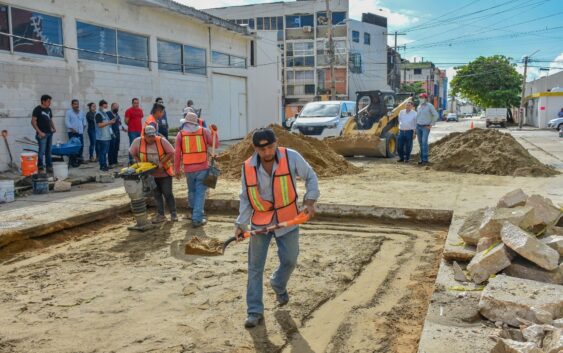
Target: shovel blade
x: 204, y: 246
x: 212, y: 176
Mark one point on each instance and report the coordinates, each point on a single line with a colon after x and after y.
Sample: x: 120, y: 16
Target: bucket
x: 40, y: 185
x: 6, y: 191
x: 60, y: 170
x: 28, y: 163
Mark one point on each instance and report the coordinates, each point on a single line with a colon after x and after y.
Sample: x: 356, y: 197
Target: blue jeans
x: 404, y: 144
x: 288, y: 250
x: 92, y: 138
x: 102, y: 149
x: 44, y: 152
x: 196, y: 194
x: 132, y: 136
x: 422, y: 132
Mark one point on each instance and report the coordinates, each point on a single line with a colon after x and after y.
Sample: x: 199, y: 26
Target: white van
x: 324, y: 118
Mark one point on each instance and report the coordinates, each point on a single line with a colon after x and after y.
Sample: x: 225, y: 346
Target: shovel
x: 12, y: 165
x: 213, y: 172
x: 211, y: 246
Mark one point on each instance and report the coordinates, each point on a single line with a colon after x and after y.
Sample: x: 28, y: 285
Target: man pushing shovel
x: 268, y: 196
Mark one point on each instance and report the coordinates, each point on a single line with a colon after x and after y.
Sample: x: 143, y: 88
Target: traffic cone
x: 471, y: 126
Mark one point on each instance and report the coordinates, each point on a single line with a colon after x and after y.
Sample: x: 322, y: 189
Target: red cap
x: 423, y: 95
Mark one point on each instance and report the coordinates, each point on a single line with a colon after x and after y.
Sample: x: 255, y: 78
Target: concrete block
x: 508, y: 298
x: 535, y: 333
x: 554, y: 230
x: 469, y: 231
x: 485, y: 243
x: 522, y: 268
x: 62, y: 186
x: 510, y: 346
x: 459, y: 275
x: 545, y: 213
x: 529, y: 247
x: 494, y: 219
x: 513, y: 199
x: 553, y: 341
x: 487, y: 263
x: 555, y: 242
x: 105, y: 178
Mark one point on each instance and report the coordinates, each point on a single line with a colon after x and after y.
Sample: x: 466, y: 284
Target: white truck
x: 495, y: 116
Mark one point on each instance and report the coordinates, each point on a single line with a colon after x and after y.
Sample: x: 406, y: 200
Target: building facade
x: 543, y: 100
x: 116, y: 50
x: 301, y: 30
x: 434, y: 82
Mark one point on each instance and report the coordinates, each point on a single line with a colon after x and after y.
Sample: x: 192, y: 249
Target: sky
x: 451, y: 33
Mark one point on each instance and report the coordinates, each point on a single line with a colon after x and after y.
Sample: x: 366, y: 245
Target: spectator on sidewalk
x: 91, y: 119
x: 407, y: 128
x: 426, y: 116
x: 103, y: 134
x: 75, y: 122
x: 134, y: 121
x: 116, y: 137
x: 190, y: 108
x: 157, y: 150
x: 42, y: 122
x: 163, y: 121
x: 191, y: 157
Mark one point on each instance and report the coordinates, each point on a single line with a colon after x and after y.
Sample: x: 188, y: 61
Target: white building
x: 301, y: 30
x: 543, y: 99
x: 116, y: 50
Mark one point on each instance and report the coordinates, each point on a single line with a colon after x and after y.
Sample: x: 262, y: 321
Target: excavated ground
x: 359, y: 287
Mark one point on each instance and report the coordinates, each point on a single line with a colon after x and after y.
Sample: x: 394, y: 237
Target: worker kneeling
x: 157, y: 150
x: 268, y: 196
x: 191, y: 154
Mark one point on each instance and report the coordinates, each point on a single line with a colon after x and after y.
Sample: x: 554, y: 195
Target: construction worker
x: 156, y: 149
x: 191, y: 154
x: 187, y: 110
x: 268, y: 196
x: 157, y: 112
x: 426, y: 116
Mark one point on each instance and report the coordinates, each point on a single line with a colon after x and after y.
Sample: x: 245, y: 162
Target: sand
x: 481, y: 151
x: 324, y: 161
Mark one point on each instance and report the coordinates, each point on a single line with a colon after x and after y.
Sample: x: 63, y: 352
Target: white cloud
x: 401, y: 40
x: 556, y: 65
x: 532, y: 74
x: 396, y: 19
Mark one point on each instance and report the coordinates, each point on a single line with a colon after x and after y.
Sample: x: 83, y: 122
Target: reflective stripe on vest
x: 143, y: 156
x: 284, y: 206
x: 194, y: 148
x: 151, y: 119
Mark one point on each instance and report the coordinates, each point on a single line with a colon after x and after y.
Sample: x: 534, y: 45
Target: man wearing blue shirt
x: 75, y: 122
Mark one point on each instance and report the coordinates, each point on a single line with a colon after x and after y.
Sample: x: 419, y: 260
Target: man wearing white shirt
x: 407, y: 128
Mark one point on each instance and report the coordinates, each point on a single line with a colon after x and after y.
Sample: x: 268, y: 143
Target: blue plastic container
x: 40, y: 186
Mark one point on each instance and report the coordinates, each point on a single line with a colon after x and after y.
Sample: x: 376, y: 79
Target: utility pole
x: 331, y: 52
x: 396, y: 72
x: 521, y: 112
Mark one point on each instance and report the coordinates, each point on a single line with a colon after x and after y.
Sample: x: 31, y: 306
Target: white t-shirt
x: 407, y: 120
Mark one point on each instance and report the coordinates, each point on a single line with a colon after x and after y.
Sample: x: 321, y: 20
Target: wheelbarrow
x: 70, y: 149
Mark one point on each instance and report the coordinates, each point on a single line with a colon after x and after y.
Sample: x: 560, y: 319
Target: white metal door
x: 229, y: 106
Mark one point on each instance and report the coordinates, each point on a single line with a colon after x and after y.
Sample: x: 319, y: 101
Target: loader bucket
x: 358, y: 144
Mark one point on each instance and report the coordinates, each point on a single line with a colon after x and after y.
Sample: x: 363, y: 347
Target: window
x: 270, y: 23
x: 338, y: 18
x: 236, y: 61
x: 309, y: 89
x: 169, y: 56
x: 297, y: 21
x: 355, y: 36
x: 367, y: 38
x: 4, y: 27
x: 45, y: 31
x: 300, y: 77
x: 195, y: 60
x: 418, y: 71
x: 323, y: 58
x: 132, y: 49
x: 355, y: 63
x: 299, y: 90
x: 300, y: 54
x: 97, y: 43
x: 247, y: 22
x: 226, y: 60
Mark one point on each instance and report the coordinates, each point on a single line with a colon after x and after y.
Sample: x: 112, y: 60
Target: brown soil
x: 482, y: 151
x: 324, y: 161
x: 204, y: 246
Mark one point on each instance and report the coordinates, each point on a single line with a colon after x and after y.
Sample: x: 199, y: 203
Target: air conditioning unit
x: 307, y: 29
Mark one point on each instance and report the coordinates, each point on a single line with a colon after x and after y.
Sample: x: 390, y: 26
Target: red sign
x: 542, y: 108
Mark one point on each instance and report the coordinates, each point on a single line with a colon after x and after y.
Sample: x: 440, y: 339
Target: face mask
x: 105, y: 110
x: 115, y: 110
x: 422, y: 101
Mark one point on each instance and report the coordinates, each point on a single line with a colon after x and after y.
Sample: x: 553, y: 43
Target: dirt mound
x: 482, y: 151
x: 324, y: 160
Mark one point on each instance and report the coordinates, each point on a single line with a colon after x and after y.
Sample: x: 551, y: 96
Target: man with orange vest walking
x: 157, y: 112
x: 157, y: 150
x: 269, y: 196
x: 192, y: 155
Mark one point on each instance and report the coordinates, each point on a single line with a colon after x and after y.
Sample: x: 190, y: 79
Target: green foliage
x: 414, y: 87
x: 488, y: 82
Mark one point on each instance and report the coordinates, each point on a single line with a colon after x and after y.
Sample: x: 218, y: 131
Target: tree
x: 414, y: 87
x: 488, y: 82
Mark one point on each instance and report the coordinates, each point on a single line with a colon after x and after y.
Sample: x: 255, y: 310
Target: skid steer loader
x: 373, y: 130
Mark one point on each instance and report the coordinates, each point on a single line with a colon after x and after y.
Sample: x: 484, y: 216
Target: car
x: 452, y: 117
x: 556, y: 123
x: 324, y: 118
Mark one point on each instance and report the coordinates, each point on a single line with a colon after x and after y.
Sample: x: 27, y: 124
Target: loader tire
x: 390, y: 145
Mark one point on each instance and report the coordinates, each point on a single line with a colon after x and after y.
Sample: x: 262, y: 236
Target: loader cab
x: 372, y: 106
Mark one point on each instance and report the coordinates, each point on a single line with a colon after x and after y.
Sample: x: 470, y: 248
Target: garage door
x: 228, y: 109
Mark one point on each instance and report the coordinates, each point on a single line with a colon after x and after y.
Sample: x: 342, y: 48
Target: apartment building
x: 434, y: 81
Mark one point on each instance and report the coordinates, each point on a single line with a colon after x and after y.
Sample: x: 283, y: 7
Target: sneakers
x: 197, y: 224
x: 253, y: 320
x: 283, y: 299
x: 158, y: 219
x: 174, y: 218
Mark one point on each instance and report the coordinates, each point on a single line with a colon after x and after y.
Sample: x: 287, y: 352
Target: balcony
x: 307, y: 32
x: 337, y: 31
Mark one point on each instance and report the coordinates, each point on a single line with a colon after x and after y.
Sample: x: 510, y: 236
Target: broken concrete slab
x: 495, y: 218
x: 509, y: 346
x: 545, y: 213
x: 62, y: 186
x: 458, y: 273
x: 555, y: 242
x: 554, y: 230
x: 553, y: 341
x: 523, y: 268
x: 513, y: 199
x: 535, y: 333
x: 105, y: 178
x: 469, y: 231
x: 485, y: 243
x: 529, y: 247
x: 489, y: 262
x: 508, y: 298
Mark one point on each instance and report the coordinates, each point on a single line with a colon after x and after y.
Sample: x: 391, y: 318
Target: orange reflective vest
x: 284, y: 206
x: 150, y: 120
x: 194, y: 148
x: 200, y: 122
x: 143, y: 157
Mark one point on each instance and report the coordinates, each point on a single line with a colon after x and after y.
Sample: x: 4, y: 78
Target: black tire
x: 487, y: 124
x: 390, y: 145
x: 503, y: 125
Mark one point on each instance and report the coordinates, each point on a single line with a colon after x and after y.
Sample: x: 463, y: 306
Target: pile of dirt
x: 324, y: 160
x: 482, y: 151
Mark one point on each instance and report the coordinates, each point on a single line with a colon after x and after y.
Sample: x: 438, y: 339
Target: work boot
x: 188, y: 215
x: 174, y: 217
x: 283, y: 298
x: 253, y: 320
x: 197, y: 224
x: 50, y: 170
x: 400, y: 161
x: 158, y: 219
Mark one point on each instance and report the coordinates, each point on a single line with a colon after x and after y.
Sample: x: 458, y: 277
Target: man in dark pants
x: 163, y: 121
x: 91, y: 119
x: 116, y: 138
x: 75, y: 122
x: 42, y: 122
